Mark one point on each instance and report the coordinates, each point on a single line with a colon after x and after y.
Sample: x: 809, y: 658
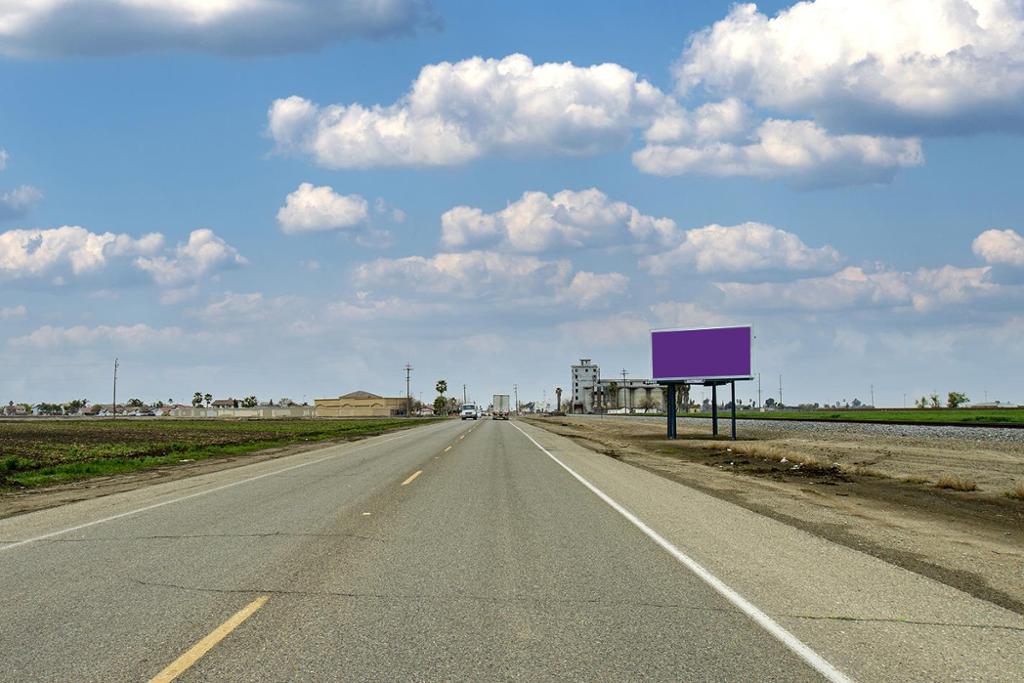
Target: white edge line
x: 816, y: 661
x: 154, y: 506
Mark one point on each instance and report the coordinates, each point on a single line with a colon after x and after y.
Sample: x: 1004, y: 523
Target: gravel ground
x: 993, y: 435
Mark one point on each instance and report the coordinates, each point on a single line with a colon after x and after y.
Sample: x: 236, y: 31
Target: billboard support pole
x: 732, y: 384
x: 671, y: 410
x: 714, y: 409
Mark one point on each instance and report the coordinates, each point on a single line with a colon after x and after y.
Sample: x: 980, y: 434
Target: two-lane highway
x: 455, y: 551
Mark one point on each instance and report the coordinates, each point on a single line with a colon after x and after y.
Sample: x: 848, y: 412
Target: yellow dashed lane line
x: 196, y: 652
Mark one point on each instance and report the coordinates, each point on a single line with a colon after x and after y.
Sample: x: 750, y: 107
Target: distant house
x: 13, y: 409
x: 225, y: 403
x: 167, y: 410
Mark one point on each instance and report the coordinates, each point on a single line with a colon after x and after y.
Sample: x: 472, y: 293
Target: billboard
x: 694, y: 355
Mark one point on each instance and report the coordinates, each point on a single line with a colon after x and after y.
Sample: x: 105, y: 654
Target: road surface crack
x: 908, y: 622
x: 159, y: 537
x: 407, y: 597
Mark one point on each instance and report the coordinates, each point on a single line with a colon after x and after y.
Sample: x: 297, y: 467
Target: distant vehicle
x: 469, y: 411
x: 500, y: 409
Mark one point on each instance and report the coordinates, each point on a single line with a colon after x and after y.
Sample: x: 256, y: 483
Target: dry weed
x: 777, y: 453
x: 949, y: 481
x: 862, y: 471
x: 1017, y: 491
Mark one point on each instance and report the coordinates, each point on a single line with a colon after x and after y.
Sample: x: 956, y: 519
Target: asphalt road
x: 455, y: 551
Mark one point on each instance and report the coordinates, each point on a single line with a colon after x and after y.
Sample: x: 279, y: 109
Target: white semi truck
x: 500, y: 407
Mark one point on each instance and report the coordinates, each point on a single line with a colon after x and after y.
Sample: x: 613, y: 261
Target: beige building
x: 360, y: 404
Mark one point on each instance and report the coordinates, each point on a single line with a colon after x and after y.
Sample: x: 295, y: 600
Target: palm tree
x: 209, y: 399
x: 197, y: 399
x: 441, y: 387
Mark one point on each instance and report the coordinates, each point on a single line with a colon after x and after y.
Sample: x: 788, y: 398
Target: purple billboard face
x: 709, y: 353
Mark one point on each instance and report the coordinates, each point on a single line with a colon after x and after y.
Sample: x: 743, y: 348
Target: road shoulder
x: 875, y: 620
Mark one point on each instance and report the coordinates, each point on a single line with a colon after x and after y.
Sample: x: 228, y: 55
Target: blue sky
x: 855, y: 196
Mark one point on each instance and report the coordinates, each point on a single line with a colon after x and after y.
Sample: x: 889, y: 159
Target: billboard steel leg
x: 733, y: 386
x: 714, y: 409
x: 671, y: 411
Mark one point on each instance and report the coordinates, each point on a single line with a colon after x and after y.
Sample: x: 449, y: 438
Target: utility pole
x: 464, y: 394
x: 114, y: 416
x: 408, y: 396
x: 872, y: 395
x: 625, y: 391
x: 515, y: 390
x: 759, y: 391
x: 780, y: 391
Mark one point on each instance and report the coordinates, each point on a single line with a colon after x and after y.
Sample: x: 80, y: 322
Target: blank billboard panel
x: 702, y: 354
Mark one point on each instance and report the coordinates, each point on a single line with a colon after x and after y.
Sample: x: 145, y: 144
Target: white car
x: 469, y: 411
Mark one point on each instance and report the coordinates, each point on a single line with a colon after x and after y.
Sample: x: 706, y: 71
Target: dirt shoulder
x: 29, y: 500
x: 871, y: 493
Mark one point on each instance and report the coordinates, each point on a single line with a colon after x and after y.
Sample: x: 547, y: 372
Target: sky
x: 297, y: 198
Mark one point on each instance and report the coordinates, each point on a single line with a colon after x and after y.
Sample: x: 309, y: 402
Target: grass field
x: 40, y: 452
x: 965, y: 416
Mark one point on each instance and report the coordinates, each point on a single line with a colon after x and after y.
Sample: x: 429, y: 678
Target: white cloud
x: 391, y: 308
x: 9, y: 312
x: 538, y: 222
x: 617, y: 330
x: 394, y: 214
x: 490, y: 278
x: 132, y: 337
x: 953, y: 65
x: 35, y: 252
x: 3, y: 158
x: 631, y: 330
x: 1000, y: 247
x: 727, y: 120
x: 30, y: 28
x: 741, y: 248
x: 800, y: 151
x: 18, y: 201
x: 315, y: 209
x: 457, y: 112
x: 175, y: 295
x: 469, y: 275
x: 686, y: 314
x: 922, y: 290
x: 47, y: 336
x: 588, y: 290
x: 232, y: 306
x: 204, y: 254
